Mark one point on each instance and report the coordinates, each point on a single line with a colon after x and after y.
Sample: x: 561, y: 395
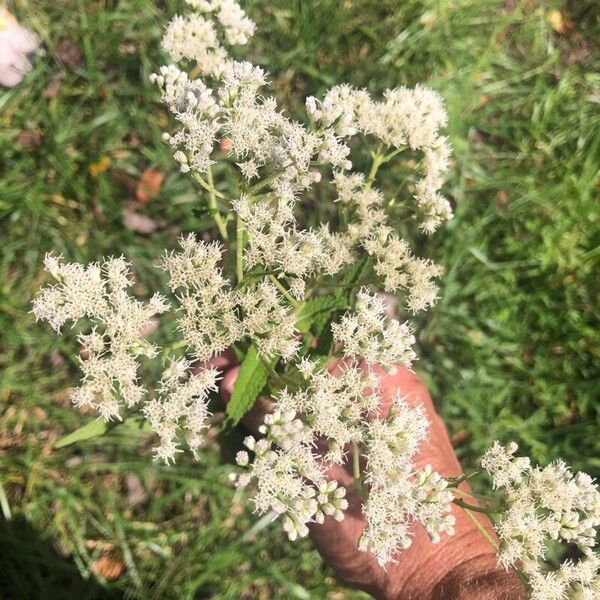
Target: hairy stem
x: 471, y: 507
x: 198, y: 179
x: 356, y: 468
x: 239, y: 250
x: 378, y: 160
x: 484, y: 532
x: 212, y: 202
x: 295, y: 303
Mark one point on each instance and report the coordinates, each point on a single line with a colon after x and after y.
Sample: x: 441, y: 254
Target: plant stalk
x: 212, y: 202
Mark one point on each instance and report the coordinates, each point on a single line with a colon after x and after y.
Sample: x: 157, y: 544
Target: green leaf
x: 317, y: 311
x: 86, y: 432
x: 250, y: 381
x: 355, y: 273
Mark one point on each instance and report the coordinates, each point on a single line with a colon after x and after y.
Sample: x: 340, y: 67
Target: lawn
x: 511, y: 350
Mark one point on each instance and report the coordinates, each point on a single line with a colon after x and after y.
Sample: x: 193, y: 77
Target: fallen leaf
x: 502, y: 197
x: 69, y: 53
x: 109, y: 567
x: 559, y: 23
x: 56, y: 359
x: 149, y: 185
x: 29, y: 139
x: 51, y: 90
x: 136, y: 493
x: 459, y: 437
x: 138, y: 223
x: 100, y: 166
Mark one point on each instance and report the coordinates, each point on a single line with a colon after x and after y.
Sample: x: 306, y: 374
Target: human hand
x: 459, y: 567
x: 16, y: 43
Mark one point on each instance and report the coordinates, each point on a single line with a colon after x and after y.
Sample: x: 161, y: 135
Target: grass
x: 510, y: 352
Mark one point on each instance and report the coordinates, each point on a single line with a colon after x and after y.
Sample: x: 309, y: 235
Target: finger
x: 223, y: 361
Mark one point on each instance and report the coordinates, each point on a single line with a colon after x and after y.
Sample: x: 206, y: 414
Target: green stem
x: 484, y: 532
x: 266, y: 182
x: 198, y: 178
x: 378, y: 160
x: 356, y: 464
x: 472, y: 507
x: 212, y: 202
x: 239, y: 250
x: 295, y: 303
x: 391, y: 155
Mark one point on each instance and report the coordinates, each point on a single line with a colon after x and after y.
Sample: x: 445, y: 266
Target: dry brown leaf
x: 460, y: 437
x: 138, y: 223
x: 136, y: 494
x: 51, y: 90
x: 149, y: 185
x: 69, y: 53
x: 559, y: 23
x: 108, y: 566
x: 29, y: 139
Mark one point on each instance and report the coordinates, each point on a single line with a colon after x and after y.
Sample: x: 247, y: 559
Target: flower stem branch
x: 295, y: 303
x: 484, y: 532
x: 239, y: 250
x: 212, y: 202
x: 378, y: 160
x: 471, y: 507
x: 356, y: 468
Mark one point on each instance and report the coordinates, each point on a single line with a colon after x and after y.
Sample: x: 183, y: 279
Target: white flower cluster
x: 112, y: 346
x: 290, y: 480
x: 331, y: 412
x: 322, y: 418
x: 394, y: 262
x: 111, y: 349
x: 546, y: 505
x: 369, y: 334
x: 199, y: 36
x: 193, y: 105
x: 228, y: 106
x: 275, y: 242
x: 399, y: 494
x: 214, y: 316
x: 404, y: 118
x: 182, y: 404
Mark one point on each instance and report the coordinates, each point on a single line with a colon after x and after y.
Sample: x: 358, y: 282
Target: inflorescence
x: 321, y: 416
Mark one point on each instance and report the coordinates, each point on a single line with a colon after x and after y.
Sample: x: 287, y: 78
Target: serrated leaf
x: 316, y: 312
x: 86, y: 432
x: 250, y: 381
x: 355, y: 273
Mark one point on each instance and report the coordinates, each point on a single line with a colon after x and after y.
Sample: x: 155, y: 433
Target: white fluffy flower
x: 116, y: 339
x: 181, y: 405
x: 209, y: 321
x: 545, y: 504
x: 399, y: 494
x: 369, y: 334
x: 289, y: 479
